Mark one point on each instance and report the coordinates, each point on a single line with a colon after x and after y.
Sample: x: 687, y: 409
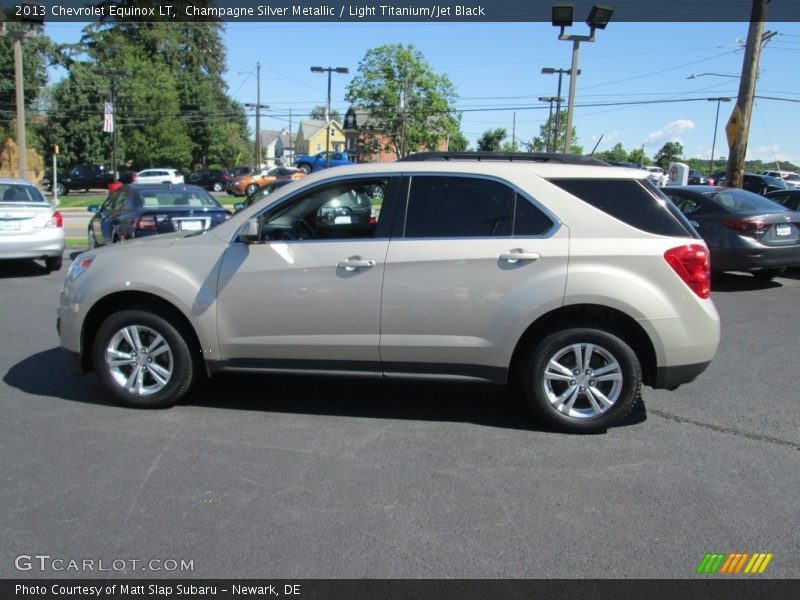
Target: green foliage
x: 546, y: 131
x: 318, y: 112
x: 409, y: 103
x: 37, y: 54
x: 172, y: 109
x: 492, y: 139
x: 458, y: 142
x: 638, y: 156
x: 669, y: 152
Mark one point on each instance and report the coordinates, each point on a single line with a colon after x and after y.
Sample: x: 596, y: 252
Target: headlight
x: 79, y: 265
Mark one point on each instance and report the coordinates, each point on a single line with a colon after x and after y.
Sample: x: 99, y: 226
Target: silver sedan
x: 29, y: 226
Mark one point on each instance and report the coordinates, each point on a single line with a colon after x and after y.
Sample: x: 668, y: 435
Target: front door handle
x: 518, y: 254
x: 355, y: 262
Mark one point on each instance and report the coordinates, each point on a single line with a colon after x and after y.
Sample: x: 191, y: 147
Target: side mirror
x: 93, y: 208
x: 238, y: 206
x: 250, y: 231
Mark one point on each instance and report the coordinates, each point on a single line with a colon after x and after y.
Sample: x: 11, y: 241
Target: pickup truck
x: 311, y: 164
x: 85, y: 177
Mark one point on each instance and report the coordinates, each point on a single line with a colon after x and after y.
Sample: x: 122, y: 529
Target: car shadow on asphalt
x: 740, y: 282
x: 10, y: 269
x: 46, y: 374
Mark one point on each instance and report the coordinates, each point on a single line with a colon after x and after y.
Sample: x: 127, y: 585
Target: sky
x: 496, y: 71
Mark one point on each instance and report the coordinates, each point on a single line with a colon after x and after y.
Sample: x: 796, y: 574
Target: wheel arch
x: 133, y: 300
x: 591, y: 315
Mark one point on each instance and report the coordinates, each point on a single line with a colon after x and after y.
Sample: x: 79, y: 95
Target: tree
x: 670, y: 152
x: 409, y: 103
x: 458, y: 142
x: 491, y: 139
x: 318, y: 112
x: 539, y: 144
x: 173, y: 108
x: 638, y: 156
x: 37, y: 54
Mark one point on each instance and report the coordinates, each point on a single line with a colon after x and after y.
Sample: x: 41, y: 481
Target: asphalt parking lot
x: 305, y: 477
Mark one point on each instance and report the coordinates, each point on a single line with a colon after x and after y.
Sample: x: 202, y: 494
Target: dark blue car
x: 139, y: 210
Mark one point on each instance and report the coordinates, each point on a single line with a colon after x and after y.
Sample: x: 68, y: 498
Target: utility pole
x: 738, y: 127
x: 22, y: 147
x: 258, y: 106
x: 113, y: 75
x: 328, y: 70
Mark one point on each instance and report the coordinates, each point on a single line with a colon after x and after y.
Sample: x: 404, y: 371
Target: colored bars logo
x: 739, y: 562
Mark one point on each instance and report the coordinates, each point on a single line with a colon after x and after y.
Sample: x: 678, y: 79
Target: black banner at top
x: 387, y: 11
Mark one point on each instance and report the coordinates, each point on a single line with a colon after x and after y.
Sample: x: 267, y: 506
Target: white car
x: 159, y: 176
x: 657, y: 175
x: 29, y: 226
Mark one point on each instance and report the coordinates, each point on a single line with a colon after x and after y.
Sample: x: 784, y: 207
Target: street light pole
x: 559, y: 100
x: 329, y: 70
x: 598, y: 18
x: 716, y: 123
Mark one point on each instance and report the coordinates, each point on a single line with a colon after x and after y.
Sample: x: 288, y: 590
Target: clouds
x: 769, y: 154
x: 670, y: 132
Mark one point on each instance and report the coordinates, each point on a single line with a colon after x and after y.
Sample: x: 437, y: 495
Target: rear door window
x: 459, y: 206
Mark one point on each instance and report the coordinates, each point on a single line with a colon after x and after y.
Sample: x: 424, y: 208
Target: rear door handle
x: 518, y: 254
x: 355, y: 262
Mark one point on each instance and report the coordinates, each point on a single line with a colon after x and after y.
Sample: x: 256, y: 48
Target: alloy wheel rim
x: 582, y: 380
x: 139, y: 360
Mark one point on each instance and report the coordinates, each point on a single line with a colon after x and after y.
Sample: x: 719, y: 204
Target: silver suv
x: 574, y: 280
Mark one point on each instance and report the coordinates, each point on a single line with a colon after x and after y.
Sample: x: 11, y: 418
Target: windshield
x: 774, y: 181
x: 16, y: 192
x: 743, y: 201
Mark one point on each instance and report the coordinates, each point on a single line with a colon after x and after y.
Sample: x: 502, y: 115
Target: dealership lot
x: 303, y: 477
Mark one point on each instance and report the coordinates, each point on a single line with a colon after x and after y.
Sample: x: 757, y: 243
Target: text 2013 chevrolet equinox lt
x: 576, y: 281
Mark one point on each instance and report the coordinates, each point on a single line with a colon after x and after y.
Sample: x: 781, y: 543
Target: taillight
x: 692, y: 264
x: 756, y: 226
x: 145, y: 223
x: 57, y: 220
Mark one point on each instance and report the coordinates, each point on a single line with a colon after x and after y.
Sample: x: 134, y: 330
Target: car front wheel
x: 143, y: 360
x: 217, y: 186
x: 582, y: 380
x: 251, y: 188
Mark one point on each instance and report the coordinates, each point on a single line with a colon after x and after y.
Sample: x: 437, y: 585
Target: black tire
x: 250, y: 189
x: 543, y: 393
x: 53, y: 263
x: 182, y: 368
x: 217, y: 186
x: 304, y: 168
x: 61, y: 190
x: 767, y: 274
x: 92, y: 239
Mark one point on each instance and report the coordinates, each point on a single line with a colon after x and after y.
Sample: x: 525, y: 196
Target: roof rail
x: 543, y: 157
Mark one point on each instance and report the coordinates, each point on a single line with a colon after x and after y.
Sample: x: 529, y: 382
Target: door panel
x: 289, y: 301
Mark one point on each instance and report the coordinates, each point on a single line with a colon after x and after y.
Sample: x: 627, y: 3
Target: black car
x: 790, y: 198
x: 744, y: 231
x: 139, y: 210
x: 85, y: 177
x: 697, y: 178
x: 210, y: 179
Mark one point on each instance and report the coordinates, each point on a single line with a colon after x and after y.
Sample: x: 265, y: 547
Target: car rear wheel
x: 767, y: 274
x: 53, y: 263
x: 61, y: 190
x: 582, y: 380
x: 304, y: 168
x: 143, y: 360
x: 217, y: 186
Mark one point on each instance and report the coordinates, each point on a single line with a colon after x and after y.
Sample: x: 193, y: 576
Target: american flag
x: 108, y: 118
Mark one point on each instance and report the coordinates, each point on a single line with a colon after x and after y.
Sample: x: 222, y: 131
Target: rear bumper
x: 672, y: 377
x: 751, y: 259
x: 48, y: 242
